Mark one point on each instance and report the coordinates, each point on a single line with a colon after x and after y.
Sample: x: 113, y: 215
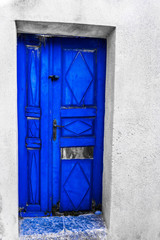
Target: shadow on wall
x: 108, y: 131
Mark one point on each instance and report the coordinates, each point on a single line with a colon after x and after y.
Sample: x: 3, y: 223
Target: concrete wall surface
x: 131, y: 183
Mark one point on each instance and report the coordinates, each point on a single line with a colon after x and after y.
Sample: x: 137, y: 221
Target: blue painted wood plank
x: 56, y: 105
x: 33, y: 142
x: 33, y: 64
x: 99, y: 122
x: 67, y: 96
x: 80, y: 43
x: 33, y: 208
x: 34, y: 214
x: 30, y: 39
x: 32, y: 112
x: 22, y: 123
x: 34, y: 176
x: 33, y: 128
x: 78, y: 112
x: 77, y: 142
x: 90, y: 59
x: 77, y: 127
x: 50, y: 125
x: 45, y: 137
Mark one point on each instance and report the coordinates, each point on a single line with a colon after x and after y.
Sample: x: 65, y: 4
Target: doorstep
x: 86, y: 226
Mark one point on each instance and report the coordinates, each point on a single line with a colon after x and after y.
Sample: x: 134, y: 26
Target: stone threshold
x: 86, y: 226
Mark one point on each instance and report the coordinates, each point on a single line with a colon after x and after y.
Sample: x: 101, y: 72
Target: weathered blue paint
x: 88, y: 112
x: 87, y: 226
x: 76, y: 101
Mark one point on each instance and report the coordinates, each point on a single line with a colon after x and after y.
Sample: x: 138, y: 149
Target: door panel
x: 76, y: 185
x: 78, y: 86
x: 77, y: 127
x: 33, y: 172
x: 82, y: 113
x: 60, y: 123
x: 32, y: 135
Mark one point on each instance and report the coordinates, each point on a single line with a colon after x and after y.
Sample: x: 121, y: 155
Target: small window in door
x: 77, y: 153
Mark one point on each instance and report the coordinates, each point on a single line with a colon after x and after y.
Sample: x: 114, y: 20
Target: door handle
x: 55, y: 129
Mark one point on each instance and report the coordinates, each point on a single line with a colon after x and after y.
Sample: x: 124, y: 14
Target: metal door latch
x: 53, y: 77
x: 55, y: 129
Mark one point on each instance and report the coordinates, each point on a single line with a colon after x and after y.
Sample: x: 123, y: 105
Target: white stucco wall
x: 131, y: 186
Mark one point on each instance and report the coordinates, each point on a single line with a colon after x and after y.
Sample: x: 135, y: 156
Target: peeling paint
x: 25, y: 4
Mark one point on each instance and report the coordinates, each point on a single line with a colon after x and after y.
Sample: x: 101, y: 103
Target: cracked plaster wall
x: 132, y: 140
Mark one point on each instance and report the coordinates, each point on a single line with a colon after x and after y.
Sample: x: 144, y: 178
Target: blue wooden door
x: 61, y: 84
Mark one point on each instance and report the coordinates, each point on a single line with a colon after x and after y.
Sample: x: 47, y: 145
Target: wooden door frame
x: 97, y: 31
